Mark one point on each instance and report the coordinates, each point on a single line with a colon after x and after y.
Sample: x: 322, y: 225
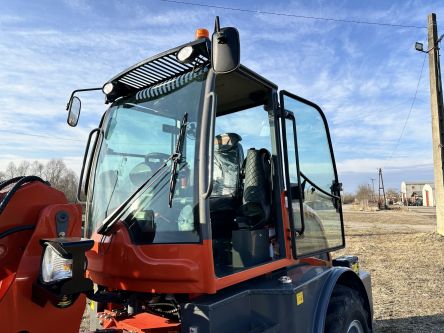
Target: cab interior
x: 241, y: 203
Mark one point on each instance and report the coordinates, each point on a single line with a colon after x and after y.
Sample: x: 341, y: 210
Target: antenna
x: 217, y: 24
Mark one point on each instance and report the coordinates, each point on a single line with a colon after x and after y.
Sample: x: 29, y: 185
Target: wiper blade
x: 106, y: 227
x: 177, y: 158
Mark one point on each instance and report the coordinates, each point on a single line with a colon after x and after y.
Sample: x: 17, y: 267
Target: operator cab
x: 187, y: 189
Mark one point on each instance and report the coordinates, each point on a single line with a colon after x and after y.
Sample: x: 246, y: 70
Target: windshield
x: 140, y: 136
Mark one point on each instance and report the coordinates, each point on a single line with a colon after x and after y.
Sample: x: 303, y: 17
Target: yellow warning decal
x: 91, y: 302
x: 355, y: 267
x: 300, y: 298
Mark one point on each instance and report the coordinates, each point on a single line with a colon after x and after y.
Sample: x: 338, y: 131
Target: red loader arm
x: 30, y: 211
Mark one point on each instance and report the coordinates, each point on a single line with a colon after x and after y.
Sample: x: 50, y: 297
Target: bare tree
x: 55, y: 172
x: 364, y: 192
x: 37, y: 169
x: 11, y: 170
x: 61, y: 178
x: 348, y: 198
x: 68, y: 185
x: 23, y: 168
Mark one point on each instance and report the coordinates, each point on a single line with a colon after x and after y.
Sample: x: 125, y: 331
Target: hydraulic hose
x: 7, y: 182
x: 19, y: 181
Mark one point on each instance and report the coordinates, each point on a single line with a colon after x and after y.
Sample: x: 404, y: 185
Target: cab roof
x: 165, y: 66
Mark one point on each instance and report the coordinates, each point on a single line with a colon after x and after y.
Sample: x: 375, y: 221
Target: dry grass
x: 406, y: 260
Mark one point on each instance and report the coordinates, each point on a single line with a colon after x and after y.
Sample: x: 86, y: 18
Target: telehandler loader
x: 212, y: 205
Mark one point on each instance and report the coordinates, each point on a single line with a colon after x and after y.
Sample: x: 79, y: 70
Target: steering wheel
x: 156, y: 158
x: 142, y: 171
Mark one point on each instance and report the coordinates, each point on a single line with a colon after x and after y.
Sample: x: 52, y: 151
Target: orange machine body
x: 117, y: 263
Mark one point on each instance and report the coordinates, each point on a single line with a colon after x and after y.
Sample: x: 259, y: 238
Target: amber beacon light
x: 202, y: 33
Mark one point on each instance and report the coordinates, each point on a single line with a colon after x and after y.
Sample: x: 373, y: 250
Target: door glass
x: 314, y: 150
x: 319, y: 227
x: 243, y: 230
x: 293, y: 173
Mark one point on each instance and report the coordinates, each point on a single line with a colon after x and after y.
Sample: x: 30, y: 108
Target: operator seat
x: 256, y: 200
x: 225, y: 198
x: 251, y: 236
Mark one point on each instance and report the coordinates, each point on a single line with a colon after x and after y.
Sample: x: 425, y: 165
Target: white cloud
x: 365, y: 165
x: 79, y: 5
x: 8, y: 19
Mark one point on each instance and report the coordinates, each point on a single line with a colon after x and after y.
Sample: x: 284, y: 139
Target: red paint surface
x: 141, y: 323
x: 37, y: 204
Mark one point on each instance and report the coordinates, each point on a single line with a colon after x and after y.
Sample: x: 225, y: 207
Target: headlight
x: 55, y: 265
x: 186, y: 54
x: 63, y: 267
x: 108, y: 88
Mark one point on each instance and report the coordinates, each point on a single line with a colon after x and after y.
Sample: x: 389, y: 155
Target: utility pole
x: 437, y: 119
x: 381, y: 187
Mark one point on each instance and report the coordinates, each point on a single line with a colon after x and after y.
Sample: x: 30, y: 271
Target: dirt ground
x: 405, y: 257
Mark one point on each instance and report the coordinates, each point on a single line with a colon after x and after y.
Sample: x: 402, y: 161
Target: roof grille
x: 170, y: 85
x: 161, y: 68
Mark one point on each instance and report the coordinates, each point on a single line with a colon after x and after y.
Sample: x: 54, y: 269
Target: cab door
x: 311, y: 180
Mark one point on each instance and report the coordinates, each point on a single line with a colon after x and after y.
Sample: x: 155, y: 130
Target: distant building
x: 418, y: 193
x: 428, y: 195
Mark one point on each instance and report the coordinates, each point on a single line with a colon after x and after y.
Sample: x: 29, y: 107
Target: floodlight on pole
x: 420, y: 46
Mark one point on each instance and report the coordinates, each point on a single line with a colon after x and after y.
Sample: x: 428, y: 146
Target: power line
x: 254, y: 11
x: 410, y: 111
x: 391, y: 108
x: 41, y: 136
x: 74, y: 140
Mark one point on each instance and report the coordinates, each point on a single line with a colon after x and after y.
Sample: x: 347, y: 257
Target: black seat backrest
x: 228, y: 160
x: 256, y: 202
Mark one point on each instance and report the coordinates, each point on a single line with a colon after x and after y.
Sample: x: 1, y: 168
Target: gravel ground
x: 405, y: 257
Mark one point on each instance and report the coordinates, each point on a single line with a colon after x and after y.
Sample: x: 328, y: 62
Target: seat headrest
x: 226, y: 141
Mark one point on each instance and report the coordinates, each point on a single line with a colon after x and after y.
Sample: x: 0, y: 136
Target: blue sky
x: 363, y: 76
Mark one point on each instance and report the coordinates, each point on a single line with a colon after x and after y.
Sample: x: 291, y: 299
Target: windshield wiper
x: 177, y: 158
x: 106, y: 227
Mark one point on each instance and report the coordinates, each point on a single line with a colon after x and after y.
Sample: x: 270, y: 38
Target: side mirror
x: 225, y: 49
x: 74, y: 107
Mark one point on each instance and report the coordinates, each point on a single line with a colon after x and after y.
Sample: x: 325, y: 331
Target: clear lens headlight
x: 185, y: 54
x: 54, y: 266
x: 108, y: 88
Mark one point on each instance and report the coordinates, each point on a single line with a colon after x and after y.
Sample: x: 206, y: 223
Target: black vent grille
x: 160, y: 68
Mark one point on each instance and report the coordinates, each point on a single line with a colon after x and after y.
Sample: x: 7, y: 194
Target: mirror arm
x: 216, y: 24
x: 79, y: 90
